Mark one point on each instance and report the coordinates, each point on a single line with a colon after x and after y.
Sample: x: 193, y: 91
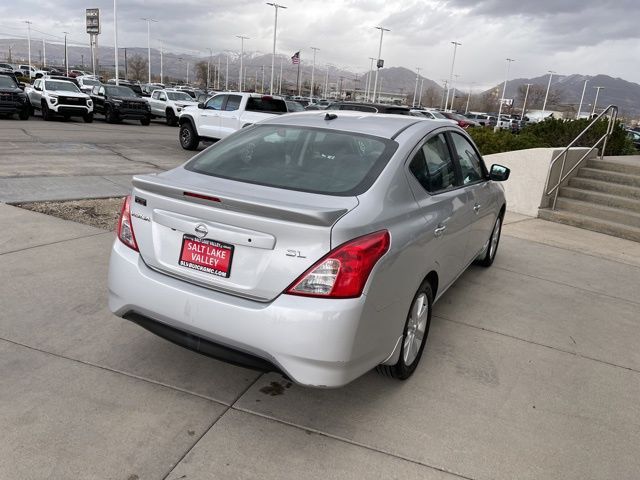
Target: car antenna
x: 330, y: 116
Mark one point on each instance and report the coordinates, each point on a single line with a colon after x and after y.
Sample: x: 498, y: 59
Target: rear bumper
x: 315, y: 342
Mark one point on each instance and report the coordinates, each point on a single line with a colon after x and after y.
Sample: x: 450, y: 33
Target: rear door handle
x: 439, y: 230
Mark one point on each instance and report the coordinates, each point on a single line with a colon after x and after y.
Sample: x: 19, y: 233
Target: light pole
x: 415, y: 90
x: 453, y: 62
x: 595, y: 102
x: 218, y: 73
x: 584, y: 88
x: 29, y: 42
x: 44, y: 54
x: 369, y: 79
x: 375, y: 83
x: 208, y: 69
x: 524, y: 105
x: 421, y: 90
x: 504, y: 89
x: 226, y: 75
x: 242, y: 39
x: 313, y: 70
x: 453, y: 96
x: 161, y: 64
x: 149, y: 20
x: 544, y: 105
x: 444, y: 90
x: 66, y: 53
x: 326, y: 82
x: 115, y: 38
x: 466, y: 109
x: 273, y: 56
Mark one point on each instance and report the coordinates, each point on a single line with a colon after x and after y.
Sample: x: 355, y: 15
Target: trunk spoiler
x: 279, y: 210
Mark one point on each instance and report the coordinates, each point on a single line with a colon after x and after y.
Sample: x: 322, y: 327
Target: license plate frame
x: 205, y: 252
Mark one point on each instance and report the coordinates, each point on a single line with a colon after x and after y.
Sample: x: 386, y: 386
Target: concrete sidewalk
x: 531, y: 371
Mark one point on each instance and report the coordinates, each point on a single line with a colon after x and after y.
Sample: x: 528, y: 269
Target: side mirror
x: 498, y: 173
x: 21, y: 85
x: 201, y: 106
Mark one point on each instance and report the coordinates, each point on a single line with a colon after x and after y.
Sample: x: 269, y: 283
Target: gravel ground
x: 100, y: 213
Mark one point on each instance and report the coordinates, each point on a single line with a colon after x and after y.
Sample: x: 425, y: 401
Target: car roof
x: 379, y: 125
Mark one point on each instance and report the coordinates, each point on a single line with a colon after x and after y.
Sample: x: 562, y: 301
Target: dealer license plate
x: 206, y: 255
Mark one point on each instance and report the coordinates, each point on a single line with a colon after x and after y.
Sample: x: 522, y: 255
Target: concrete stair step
x: 605, y: 187
x: 600, y: 198
x: 590, y: 223
x: 627, y: 164
x: 610, y: 176
x: 616, y: 215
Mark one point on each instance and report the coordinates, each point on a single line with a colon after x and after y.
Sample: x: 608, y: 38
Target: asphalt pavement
x: 531, y: 369
x: 71, y: 160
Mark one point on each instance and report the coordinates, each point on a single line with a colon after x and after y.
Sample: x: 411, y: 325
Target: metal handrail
x: 563, y: 176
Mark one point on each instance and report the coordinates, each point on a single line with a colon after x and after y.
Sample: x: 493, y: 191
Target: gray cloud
x: 572, y: 36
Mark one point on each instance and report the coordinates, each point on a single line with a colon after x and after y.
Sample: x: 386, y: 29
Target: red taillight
x: 344, y: 271
x: 125, y: 226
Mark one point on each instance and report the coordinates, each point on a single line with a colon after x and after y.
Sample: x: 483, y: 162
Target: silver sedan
x: 312, y: 244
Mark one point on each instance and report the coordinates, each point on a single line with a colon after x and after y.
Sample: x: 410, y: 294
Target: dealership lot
x: 531, y: 368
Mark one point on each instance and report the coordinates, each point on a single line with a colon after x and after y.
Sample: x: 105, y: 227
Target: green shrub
x: 552, y: 133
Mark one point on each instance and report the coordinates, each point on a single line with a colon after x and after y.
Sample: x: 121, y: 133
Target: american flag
x: 296, y: 58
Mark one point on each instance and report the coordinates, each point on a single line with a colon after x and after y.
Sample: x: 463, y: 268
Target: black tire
x: 24, y: 114
x: 188, y: 137
x: 46, y: 113
x: 172, y: 120
x: 109, y: 115
x: 145, y: 121
x: 487, y: 257
x: 407, y: 363
x: 88, y: 117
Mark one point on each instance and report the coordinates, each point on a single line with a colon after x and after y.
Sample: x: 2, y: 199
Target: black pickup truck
x: 12, y: 98
x: 117, y: 102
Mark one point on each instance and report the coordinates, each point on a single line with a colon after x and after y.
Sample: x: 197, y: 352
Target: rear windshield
x: 266, y: 104
x: 296, y: 158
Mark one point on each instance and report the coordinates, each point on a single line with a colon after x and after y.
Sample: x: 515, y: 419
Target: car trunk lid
x: 252, y: 241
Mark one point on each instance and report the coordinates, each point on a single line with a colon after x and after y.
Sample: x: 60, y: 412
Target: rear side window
x: 266, y: 104
x: 296, y: 158
x: 433, y: 166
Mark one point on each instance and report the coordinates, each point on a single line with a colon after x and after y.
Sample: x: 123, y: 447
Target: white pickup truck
x: 224, y: 114
x: 169, y: 104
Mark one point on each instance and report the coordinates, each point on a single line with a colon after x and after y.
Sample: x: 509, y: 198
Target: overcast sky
x: 567, y: 36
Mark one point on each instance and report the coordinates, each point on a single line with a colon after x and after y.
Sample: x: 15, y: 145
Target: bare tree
x: 138, y: 67
x: 201, y: 72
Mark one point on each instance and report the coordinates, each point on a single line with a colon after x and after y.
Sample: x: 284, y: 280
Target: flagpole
x: 298, y: 79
